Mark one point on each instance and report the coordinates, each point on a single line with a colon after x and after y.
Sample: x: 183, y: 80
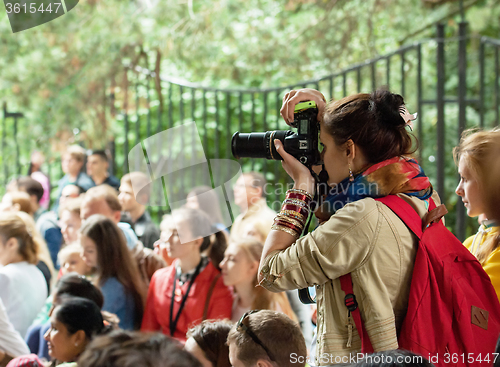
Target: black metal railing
x: 452, y: 82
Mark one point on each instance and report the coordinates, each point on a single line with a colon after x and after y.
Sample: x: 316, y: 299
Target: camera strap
x: 321, y: 190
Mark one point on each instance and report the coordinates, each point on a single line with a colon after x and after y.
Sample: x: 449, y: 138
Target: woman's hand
x: 296, y: 170
x: 292, y: 98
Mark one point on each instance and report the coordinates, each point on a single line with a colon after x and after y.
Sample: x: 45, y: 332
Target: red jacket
x: 157, y: 312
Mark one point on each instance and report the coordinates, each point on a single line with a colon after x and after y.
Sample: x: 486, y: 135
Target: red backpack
x: 453, y: 315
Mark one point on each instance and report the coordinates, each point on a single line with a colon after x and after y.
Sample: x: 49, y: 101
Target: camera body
x: 303, y: 144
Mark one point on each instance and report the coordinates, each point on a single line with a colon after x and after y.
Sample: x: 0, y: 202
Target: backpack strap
x: 413, y: 221
x: 410, y: 217
x: 405, y: 212
x: 353, y: 309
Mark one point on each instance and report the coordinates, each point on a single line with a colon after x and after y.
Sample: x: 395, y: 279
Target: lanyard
x: 173, y: 323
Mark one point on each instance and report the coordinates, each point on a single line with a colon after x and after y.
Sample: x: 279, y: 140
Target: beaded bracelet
x: 280, y: 217
x: 285, y: 229
x: 293, y: 214
x: 304, y: 212
x: 297, y: 202
x: 297, y: 230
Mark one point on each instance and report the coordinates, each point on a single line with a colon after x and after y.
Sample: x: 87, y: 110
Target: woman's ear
x: 350, y: 149
x: 79, y: 339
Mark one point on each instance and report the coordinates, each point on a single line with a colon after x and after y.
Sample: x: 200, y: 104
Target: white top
x: 23, y: 291
x: 10, y: 340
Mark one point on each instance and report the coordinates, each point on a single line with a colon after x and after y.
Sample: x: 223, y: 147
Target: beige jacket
x: 368, y: 240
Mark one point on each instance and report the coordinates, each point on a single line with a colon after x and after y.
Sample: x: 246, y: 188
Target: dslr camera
x: 303, y: 144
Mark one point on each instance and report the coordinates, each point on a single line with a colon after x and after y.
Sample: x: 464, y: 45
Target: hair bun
x: 386, y: 107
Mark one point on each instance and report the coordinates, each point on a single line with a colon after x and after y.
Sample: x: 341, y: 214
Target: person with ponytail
x: 239, y: 270
x: 73, y: 324
x: 71, y: 284
x: 105, y: 248
x: 366, y: 149
x: 191, y: 289
x: 474, y: 167
x: 23, y: 289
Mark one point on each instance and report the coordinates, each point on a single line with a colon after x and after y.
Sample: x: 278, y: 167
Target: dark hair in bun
x: 373, y: 122
x: 78, y: 313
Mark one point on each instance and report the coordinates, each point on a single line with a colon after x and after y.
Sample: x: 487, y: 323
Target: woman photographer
x: 366, y: 148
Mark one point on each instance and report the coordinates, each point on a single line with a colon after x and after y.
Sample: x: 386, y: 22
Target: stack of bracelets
x: 294, y: 212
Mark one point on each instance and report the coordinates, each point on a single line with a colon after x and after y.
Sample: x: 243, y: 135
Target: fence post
x: 440, y: 110
x: 15, y: 116
x: 462, y: 105
x: 4, y: 137
x: 481, y: 84
x: 419, y: 106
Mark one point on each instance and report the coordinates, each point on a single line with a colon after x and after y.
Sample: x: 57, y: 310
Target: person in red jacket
x: 191, y: 289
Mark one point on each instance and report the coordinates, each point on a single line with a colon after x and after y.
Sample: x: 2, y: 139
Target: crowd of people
x: 95, y: 282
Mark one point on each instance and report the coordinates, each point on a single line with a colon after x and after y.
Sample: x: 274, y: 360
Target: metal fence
x: 452, y: 82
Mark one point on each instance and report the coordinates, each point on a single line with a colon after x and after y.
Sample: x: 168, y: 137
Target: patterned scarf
x: 392, y: 176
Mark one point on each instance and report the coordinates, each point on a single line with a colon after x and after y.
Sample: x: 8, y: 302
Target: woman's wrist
x: 306, y: 184
x: 294, y: 212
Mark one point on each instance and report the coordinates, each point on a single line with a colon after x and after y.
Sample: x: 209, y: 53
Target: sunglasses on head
x: 241, y: 327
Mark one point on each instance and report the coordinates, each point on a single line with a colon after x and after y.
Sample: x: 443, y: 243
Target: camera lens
x: 257, y: 145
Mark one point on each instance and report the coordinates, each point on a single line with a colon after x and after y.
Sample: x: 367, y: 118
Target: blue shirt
x: 83, y: 180
x: 120, y: 302
x: 129, y: 234
x: 49, y: 228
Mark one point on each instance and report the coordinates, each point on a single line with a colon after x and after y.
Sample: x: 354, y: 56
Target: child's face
x: 468, y: 189
x: 74, y: 262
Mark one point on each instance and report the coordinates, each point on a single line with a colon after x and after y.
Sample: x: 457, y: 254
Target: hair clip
x: 407, y: 117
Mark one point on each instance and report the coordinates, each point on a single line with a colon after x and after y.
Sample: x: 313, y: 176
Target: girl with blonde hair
x: 22, y: 285
x: 239, y: 270
x: 44, y: 263
x: 471, y: 157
